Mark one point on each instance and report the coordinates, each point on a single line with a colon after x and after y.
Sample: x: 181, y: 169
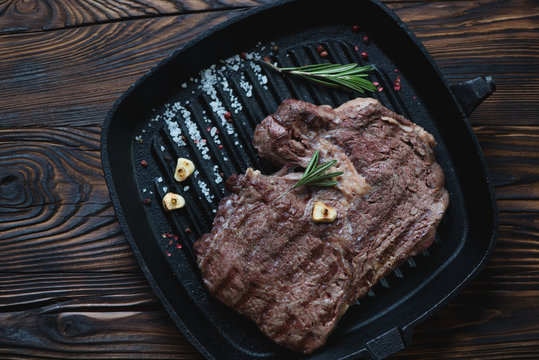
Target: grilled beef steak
x: 267, y: 259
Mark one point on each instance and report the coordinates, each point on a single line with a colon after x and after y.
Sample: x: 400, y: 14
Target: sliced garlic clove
x: 184, y: 168
x: 323, y: 213
x: 173, y: 201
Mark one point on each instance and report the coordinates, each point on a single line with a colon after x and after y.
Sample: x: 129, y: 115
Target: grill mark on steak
x: 226, y: 280
x: 314, y: 255
x: 267, y: 259
x: 326, y: 315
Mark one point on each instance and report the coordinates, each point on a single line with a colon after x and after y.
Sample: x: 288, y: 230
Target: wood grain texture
x: 54, y: 203
x: 37, y: 15
x: 512, y: 153
x: 85, y: 315
x: 34, y: 15
x: 496, y: 38
x: 73, y: 76
x: 69, y: 284
x: 479, y: 324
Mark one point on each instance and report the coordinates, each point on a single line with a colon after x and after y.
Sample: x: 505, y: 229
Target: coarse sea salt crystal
x: 218, y: 178
x: 255, y: 67
x: 245, y: 85
x: 186, y: 188
x: 162, y: 148
x: 165, y: 189
x: 159, y: 179
x: 175, y: 132
x: 205, y: 190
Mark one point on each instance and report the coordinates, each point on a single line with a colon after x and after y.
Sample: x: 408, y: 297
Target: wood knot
x: 72, y: 325
x: 27, y: 6
x: 6, y: 180
x: 11, y: 188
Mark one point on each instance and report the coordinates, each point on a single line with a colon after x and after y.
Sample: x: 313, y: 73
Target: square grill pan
x: 148, y: 121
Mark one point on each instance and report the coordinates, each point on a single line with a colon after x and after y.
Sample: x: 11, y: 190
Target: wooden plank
x: 48, y: 333
x: 512, y: 153
x: 55, y: 211
x: 480, y: 324
x: 85, y: 315
x: 39, y: 15
x: 472, y: 38
x: 73, y: 76
x: 119, y: 291
x: 36, y: 15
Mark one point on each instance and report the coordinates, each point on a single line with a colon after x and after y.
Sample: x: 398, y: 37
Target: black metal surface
x: 473, y: 92
x: 382, y: 322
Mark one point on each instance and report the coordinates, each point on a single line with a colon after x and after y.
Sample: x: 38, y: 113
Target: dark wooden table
x: 69, y: 284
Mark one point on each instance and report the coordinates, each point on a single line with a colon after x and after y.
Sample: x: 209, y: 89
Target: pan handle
x: 471, y: 93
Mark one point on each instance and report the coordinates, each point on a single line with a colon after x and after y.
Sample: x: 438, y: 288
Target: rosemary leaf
x: 312, y: 163
x: 324, y: 183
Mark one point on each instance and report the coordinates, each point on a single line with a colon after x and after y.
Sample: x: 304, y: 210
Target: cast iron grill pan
x: 380, y: 323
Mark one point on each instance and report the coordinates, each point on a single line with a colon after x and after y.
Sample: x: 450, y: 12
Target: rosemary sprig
x: 316, y: 175
x: 349, y: 76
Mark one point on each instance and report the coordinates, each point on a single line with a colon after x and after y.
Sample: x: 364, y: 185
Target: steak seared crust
x: 294, y: 278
